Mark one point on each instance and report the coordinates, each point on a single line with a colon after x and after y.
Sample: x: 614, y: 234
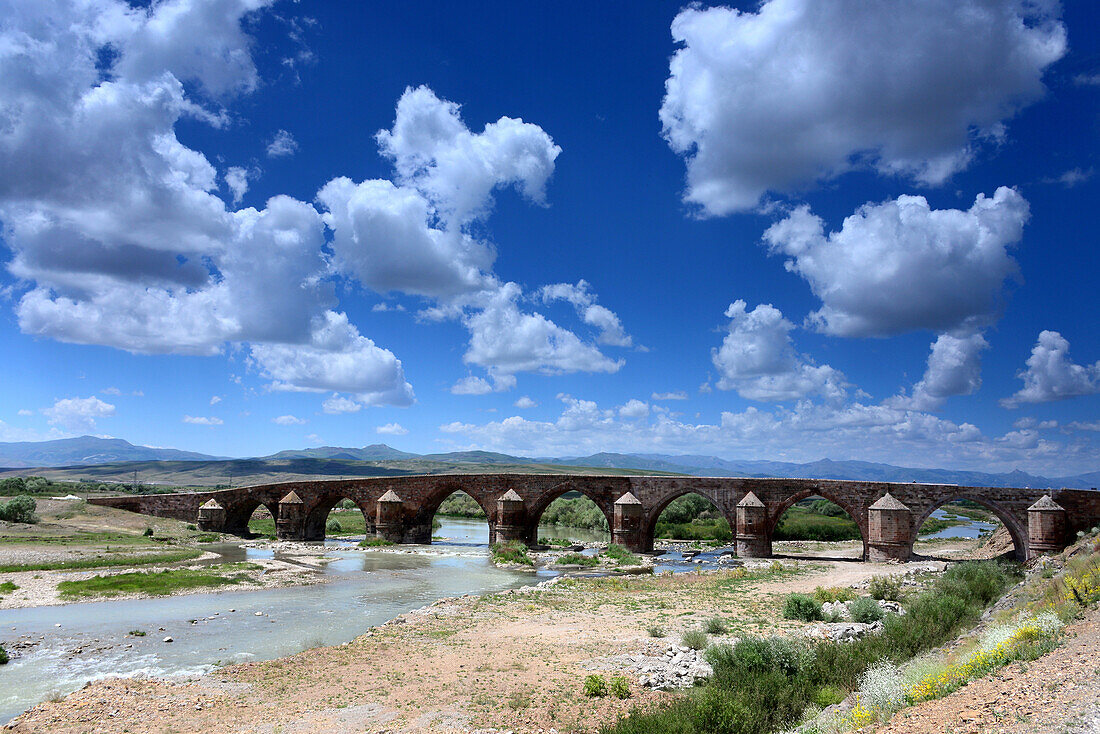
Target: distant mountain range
x: 86, y: 450
x: 89, y: 451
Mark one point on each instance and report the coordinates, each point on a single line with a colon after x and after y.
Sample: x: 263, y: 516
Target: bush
x: 887, y: 588
x: 803, y: 607
x: 3, y: 655
x: 577, y: 559
x: 333, y: 526
x: 716, y: 626
x: 19, y: 509
x: 622, y: 555
x: 695, y: 639
x: 833, y: 594
x: 511, y: 551
x: 374, y: 543
x: 655, y: 631
x: 148, y: 533
x: 865, y: 610
x: 595, y: 686
x: 7, y: 587
x: 619, y: 687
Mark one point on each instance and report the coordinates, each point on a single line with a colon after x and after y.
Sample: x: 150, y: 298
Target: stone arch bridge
x: 400, y: 509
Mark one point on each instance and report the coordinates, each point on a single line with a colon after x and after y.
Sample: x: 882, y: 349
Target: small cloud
x: 289, y: 420
x: 678, y: 395
x: 1087, y: 80
x: 199, y: 420
x: 313, y: 438
x: 525, y: 402
x: 236, y: 178
x: 705, y: 388
x: 1072, y: 177
x: 215, y: 400
x: 110, y: 391
x: 392, y: 429
x: 634, y: 409
x: 282, y: 145
x: 78, y: 414
x: 337, y: 404
x: 1084, y: 426
x: 138, y: 393
x: 25, y: 412
x: 382, y: 307
x: 471, y: 386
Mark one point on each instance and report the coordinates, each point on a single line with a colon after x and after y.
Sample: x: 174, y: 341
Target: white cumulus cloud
x: 1050, y: 375
x: 392, y: 429
x: 757, y: 359
x: 604, y: 320
x: 289, y: 420
x: 525, y: 402
x: 200, y: 420
x: 901, y: 266
x: 78, y: 414
x: 282, y: 145
x: 803, y: 90
x: 954, y: 368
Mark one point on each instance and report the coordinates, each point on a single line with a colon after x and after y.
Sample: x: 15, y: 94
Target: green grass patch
x: 155, y: 583
x: 7, y: 587
x: 577, y: 559
x: 511, y: 551
x: 112, y: 561
x: 622, y: 555
x: 375, y: 543
x: 3, y: 655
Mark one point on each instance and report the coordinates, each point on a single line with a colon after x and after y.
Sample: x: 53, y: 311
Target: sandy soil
x: 510, y: 661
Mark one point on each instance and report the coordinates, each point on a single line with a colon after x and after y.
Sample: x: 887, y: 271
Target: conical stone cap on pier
x: 628, y: 499
x: 1046, y: 504
x: 291, y: 499
x: 750, y: 500
x: 511, y: 496
x: 390, y: 496
x: 888, y: 502
x: 211, y: 504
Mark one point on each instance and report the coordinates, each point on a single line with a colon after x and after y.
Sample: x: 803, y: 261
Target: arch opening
x: 572, y: 517
x: 260, y: 522
x: 691, y: 516
x: 337, y: 516
x: 813, y: 524
x: 459, y: 519
x: 963, y: 526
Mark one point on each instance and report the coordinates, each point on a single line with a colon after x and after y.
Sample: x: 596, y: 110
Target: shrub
x: 511, y: 551
x: 803, y: 607
x: 19, y: 509
x: 865, y: 609
x: 695, y: 639
x: 655, y: 631
x: 833, y: 594
x: 333, y: 526
x: 3, y: 655
x: 7, y: 587
x: 148, y: 533
x: 595, y: 686
x: 374, y: 543
x: 716, y: 626
x: 887, y: 588
x: 137, y: 633
x: 577, y: 559
x: 619, y: 687
x: 622, y: 555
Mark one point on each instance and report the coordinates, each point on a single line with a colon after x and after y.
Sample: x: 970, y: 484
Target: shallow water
x: 972, y: 529
x: 89, y: 641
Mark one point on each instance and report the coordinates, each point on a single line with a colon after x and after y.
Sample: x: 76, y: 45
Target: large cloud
x: 115, y: 225
x: 808, y: 89
x: 1050, y: 375
x: 758, y: 360
x: 901, y: 266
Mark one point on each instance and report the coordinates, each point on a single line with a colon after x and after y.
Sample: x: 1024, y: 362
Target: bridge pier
x: 890, y: 531
x: 290, y: 524
x: 1046, y: 527
x: 627, y: 527
x: 211, y: 517
x: 752, y: 528
x: 511, y: 521
x: 389, y: 518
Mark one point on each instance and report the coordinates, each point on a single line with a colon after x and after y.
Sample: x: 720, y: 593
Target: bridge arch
x: 856, y: 513
x: 316, y: 519
x: 238, y: 514
x: 538, y: 508
x: 420, y: 524
x: 1017, y: 532
x: 668, y: 498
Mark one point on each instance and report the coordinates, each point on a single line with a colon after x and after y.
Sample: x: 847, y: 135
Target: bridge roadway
x: 401, y: 508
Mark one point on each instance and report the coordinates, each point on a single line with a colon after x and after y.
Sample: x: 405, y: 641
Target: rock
x: 168, y: 639
x: 838, y: 608
x: 259, y: 614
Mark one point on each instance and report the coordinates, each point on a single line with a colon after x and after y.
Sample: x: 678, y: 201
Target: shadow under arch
x: 798, y: 496
x: 316, y: 521
x: 538, y: 509
x: 1009, y: 520
x: 238, y: 515
x: 668, y: 499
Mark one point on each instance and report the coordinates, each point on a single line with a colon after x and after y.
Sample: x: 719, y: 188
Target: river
x: 90, y: 640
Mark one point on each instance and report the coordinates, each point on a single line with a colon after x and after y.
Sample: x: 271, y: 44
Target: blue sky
x: 794, y: 230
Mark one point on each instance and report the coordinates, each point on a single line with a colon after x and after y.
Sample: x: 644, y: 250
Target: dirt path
x: 1057, y: 694
x: 511, y: 661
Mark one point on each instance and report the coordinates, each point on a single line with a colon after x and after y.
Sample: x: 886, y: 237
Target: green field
x: 157, y: 583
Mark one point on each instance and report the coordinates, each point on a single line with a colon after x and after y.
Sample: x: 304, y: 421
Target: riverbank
x: 509, y: 661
